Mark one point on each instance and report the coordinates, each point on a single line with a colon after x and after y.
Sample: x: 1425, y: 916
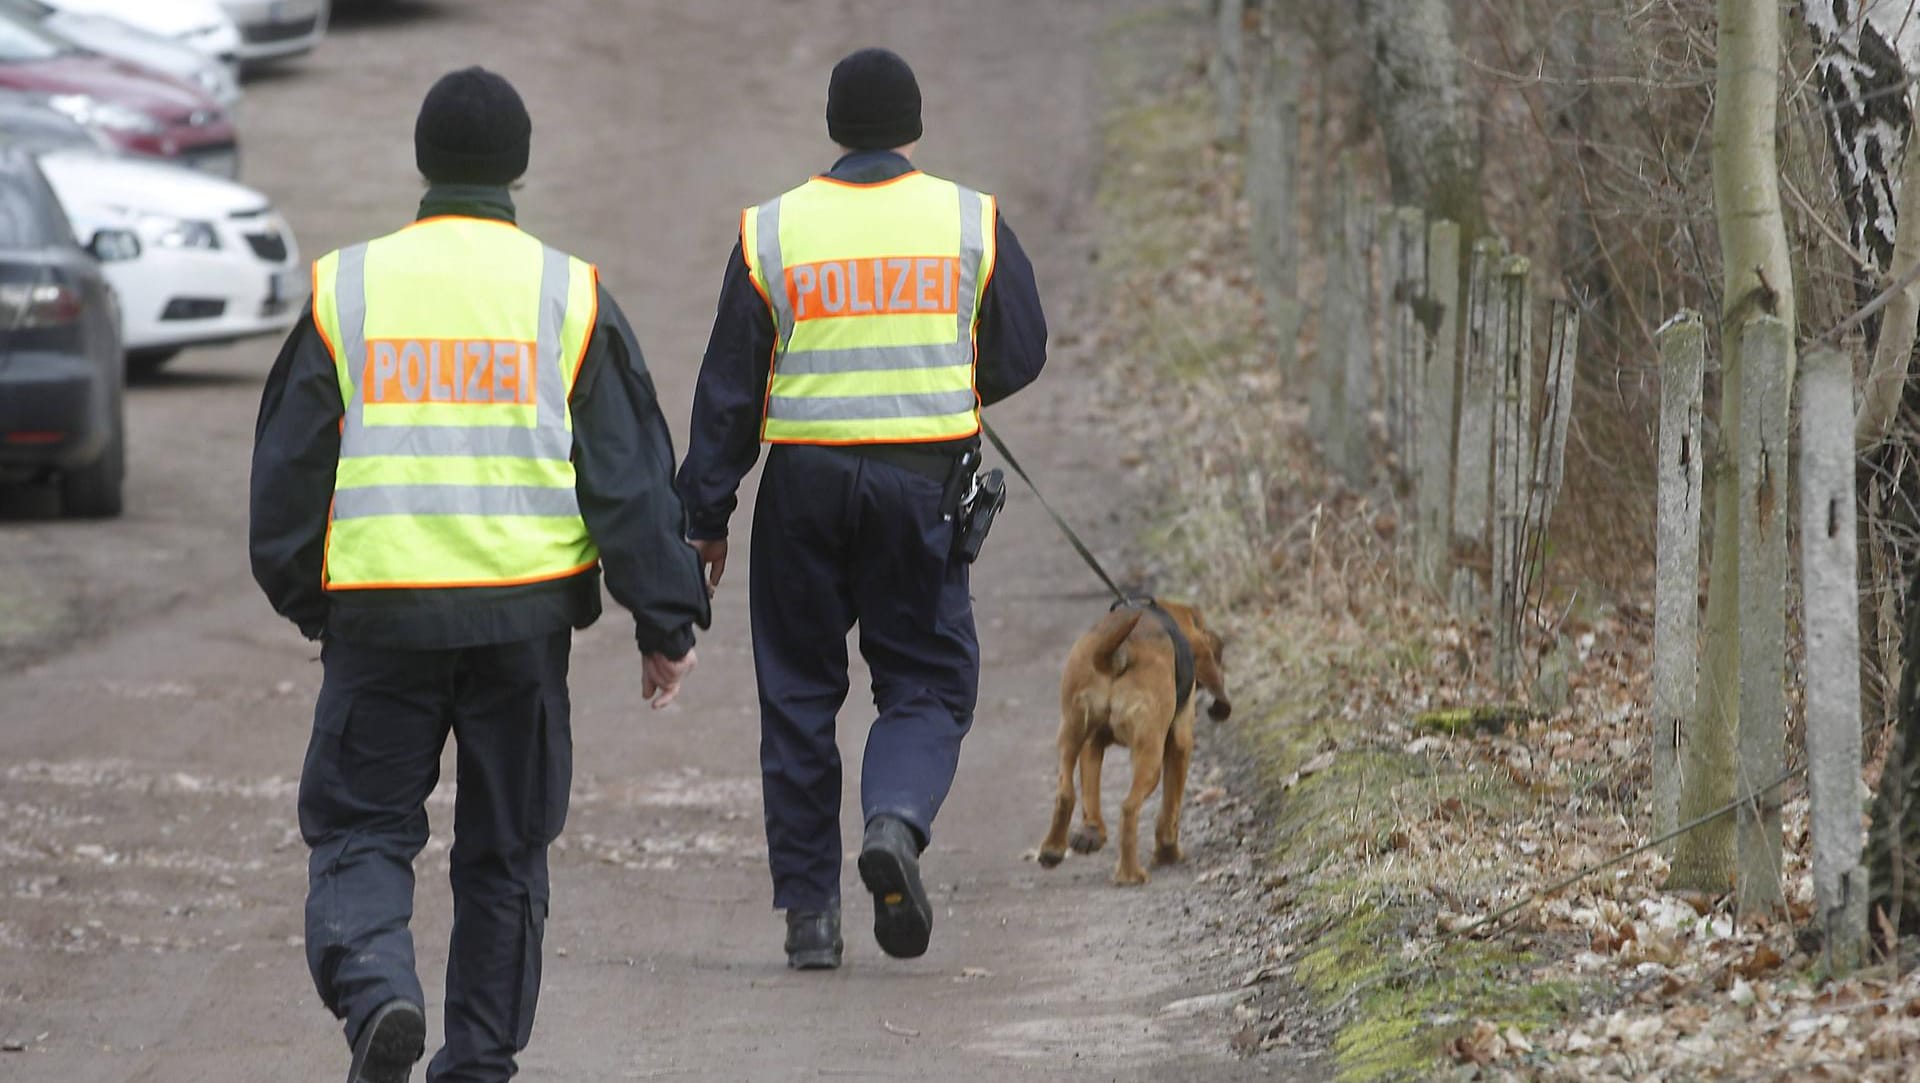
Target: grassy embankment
x: 1372, y: 833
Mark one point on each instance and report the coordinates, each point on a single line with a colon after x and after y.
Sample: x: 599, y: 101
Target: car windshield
x: 23, y: 222
x: 21, y: 42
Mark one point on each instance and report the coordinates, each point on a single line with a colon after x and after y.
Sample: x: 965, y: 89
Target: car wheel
x: 142, y: 363
x: 93, y: 491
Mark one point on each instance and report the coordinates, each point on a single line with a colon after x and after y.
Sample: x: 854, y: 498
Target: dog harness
x: 1183, y: 676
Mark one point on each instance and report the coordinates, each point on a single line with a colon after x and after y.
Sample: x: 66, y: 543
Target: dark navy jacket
x: 732, y: 393
x: 623, y: 464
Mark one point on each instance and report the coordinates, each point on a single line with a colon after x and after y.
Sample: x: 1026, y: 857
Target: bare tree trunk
x: 1426, y: 119
x: 1759, y: 280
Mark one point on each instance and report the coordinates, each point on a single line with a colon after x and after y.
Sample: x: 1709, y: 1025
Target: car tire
x: 94, y: 490
x: 144, y: 363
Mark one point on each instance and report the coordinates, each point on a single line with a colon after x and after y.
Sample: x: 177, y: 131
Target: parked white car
x: 216, y: 263
x: 112, y: 37
x: 271, y: 29
x: 201, y: 25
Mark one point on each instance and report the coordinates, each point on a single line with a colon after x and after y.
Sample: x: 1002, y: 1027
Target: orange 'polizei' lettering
x: 879, y: 286
x: 470, y: 372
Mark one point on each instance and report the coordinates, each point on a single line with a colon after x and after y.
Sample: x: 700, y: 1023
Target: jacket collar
x: 870, y: 167
x: 467, y: 201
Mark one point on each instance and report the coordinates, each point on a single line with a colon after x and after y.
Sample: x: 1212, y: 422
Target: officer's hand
x: 713, y: 561
x: 661, y: 677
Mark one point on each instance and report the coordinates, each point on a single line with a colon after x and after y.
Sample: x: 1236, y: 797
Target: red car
x: 139, y: 111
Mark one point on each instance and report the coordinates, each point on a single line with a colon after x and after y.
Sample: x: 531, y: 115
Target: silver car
x: 271, y: 29
x: 111, y: 37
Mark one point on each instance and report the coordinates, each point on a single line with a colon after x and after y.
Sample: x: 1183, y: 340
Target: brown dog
x: 1120, y: 689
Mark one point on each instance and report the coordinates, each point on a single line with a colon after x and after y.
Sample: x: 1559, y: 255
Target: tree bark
x: 1758, y: 280
x: 1426, y: 120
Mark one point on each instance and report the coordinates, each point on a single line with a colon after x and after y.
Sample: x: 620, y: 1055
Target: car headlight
x: 215, y: 81
x: 92, y: 112
x: 166, y: 231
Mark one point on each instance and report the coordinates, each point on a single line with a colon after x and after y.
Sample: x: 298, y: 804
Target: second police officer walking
x: 864, y: 319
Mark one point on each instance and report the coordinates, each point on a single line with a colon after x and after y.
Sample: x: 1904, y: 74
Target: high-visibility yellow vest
x: 456, y: 342
x: 875, y: 292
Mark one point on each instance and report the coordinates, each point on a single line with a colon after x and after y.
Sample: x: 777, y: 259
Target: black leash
x: 1073, y: 539
x: 1183, y: 663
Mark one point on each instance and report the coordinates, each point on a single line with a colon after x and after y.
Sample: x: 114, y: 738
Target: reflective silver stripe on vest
x: 548, y: 439
x: 551, y: 397
x: 774, y: 272
x: 871, y: 358
x: 350, y: 308
x: 972, y: 251
x: 375, y: 500
x: 872, y: 407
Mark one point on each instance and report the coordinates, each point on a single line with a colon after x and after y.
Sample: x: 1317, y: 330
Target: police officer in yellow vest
x: 865, y: 317
x: 452, y: 449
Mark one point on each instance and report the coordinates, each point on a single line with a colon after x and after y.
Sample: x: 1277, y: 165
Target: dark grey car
x: 61, y: 372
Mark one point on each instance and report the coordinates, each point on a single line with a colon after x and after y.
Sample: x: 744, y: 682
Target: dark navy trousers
x: 378, y: 730
x: 838, y: 541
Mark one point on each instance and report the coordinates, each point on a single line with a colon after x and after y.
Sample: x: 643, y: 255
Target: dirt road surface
x: 154, y: 711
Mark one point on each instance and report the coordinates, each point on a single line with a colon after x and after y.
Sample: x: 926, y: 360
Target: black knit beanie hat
x: 873, y: 101
x: 473, y: 129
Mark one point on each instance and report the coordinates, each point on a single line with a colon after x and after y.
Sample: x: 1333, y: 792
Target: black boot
x: 389, y: 1044
x: 890, y: 867
x: 813, y: 939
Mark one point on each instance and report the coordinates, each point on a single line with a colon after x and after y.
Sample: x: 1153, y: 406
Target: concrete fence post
x: 1355, y: 453
x: 1434, y: 461
x: 1766, y: 347
x: 1829, y: 586
x: 1473, y: 460
x: 1224, y: 67
x: 1273, y: 178
x: 1512, y: 457
x: 1328, y: 416
x: 1410, y: 338
x: 1393, y: 286
x: 1676, y: 600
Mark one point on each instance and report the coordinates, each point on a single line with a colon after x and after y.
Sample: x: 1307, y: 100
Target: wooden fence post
x: 1512, y: 447
x: 1676, y: 601
x: 1550, y: 458
x: 1829, y: 584
x: 1354, y: 455
x: 1473, y: 462
x: 1435, y: 458
x: 1766, y: 358
x: 1273, y: 164
x: 1224, y: 67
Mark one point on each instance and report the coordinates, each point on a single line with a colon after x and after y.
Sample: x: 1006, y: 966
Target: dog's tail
x: 1109, y: 654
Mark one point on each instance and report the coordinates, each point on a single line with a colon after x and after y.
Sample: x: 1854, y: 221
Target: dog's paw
x: 1168, y: 853
x: 1086, y: 840
x: 1129, y: 877
x: 1051, y: 858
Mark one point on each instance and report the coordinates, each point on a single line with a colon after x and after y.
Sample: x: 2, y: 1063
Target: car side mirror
x: 114, y: 245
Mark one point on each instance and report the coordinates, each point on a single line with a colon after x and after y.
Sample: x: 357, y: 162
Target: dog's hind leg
x: 1146, y: 775
x: 1092, y: 834
x: 1053, y: 849
x: 1173, y: 790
